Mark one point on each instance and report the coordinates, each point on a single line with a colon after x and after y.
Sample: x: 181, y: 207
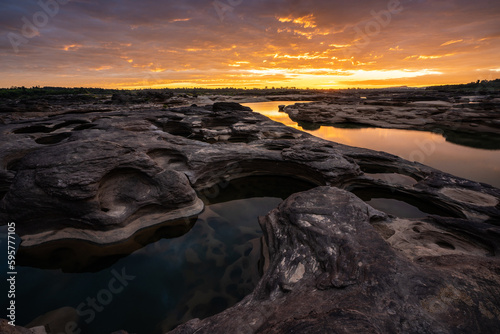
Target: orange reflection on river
x: 425, y: 147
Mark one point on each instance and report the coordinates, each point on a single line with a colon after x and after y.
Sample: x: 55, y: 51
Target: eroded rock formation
x: 461, y: 119
x: 329, y: 271
x: 334, y: 264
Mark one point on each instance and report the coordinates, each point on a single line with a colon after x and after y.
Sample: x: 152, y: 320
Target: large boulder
x: 329, y: 271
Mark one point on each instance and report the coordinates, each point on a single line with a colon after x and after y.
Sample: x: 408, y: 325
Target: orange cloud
x: 313, y: 43
x: 452, y: 42
x: 307, y: 21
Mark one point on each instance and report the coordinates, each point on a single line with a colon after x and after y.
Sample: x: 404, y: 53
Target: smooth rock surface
x: 118, y: 172
x: 5, y: 328
x: 334, y: 264
x: 329, y: 271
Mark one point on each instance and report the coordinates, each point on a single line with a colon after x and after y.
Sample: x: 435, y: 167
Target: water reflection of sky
x: 199, y: 274
x: 425, y: 147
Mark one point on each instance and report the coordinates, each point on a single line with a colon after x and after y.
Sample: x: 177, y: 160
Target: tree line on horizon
x: 480, y: 86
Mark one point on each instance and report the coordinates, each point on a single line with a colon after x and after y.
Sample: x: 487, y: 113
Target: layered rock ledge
x: 334, y: 264
x: 329, y: 271
x: 462, y: 119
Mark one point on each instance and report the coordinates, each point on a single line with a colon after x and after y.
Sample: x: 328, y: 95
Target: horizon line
x: 247, y: 88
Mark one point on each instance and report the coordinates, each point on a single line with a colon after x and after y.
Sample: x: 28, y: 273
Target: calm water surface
x: 425, y: 147
x: 215, y: 264
x: 168, y: 277
x: 168, y: 282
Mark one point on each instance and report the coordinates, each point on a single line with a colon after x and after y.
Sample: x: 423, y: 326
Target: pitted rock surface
x: 333, y: 263
x: 329, y: 271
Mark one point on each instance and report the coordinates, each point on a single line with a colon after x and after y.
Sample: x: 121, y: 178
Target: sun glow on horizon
x: 322, y: 45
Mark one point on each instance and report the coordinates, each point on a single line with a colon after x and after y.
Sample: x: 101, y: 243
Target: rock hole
x: 34, y: 129
x: 239, y: 139
x: 276, y: 145
x: 255, y: 186
x: 178, y: 281
x: 445, y: 245
x: 50, y: 140
x: 176, y: 161
x: 177, y: 128
x: 121, y: 189
x: 168, y: 159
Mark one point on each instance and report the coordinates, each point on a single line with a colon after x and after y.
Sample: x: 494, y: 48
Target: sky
x: 323, y: 44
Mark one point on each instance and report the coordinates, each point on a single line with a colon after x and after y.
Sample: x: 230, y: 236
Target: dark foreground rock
x: 329, y: 271
x: 334, y: 264
x: 6, y: 328
x: 101, y: 177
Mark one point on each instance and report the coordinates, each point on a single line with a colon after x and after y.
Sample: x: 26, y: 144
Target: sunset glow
x: 317, y: 44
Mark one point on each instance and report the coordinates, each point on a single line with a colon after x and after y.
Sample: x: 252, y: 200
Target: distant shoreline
x: 480, y: 86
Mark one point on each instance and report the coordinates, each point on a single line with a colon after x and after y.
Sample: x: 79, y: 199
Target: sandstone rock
x: 120, y: 98
x: 114, y: 174
x: 329, y: 271
x: 334, y: 263
x: 229, y: 106
x: 57, y: 321
x: 455, y: 120
x: 5, y: 328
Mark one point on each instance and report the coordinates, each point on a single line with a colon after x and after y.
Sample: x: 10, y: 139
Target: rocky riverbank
x: 110, y: 177
x: 338, y: 266
x: 462, y: 119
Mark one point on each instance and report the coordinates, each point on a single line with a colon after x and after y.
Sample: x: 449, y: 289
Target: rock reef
x: 461, y: 119
x: 330, y: 271
x: 333, y: 263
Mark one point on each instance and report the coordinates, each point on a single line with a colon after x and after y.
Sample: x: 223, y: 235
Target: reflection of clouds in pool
x: 198, y: 274
x: 220, y: 257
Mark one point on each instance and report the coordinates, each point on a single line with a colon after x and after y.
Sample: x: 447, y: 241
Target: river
x: 425, y: 147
